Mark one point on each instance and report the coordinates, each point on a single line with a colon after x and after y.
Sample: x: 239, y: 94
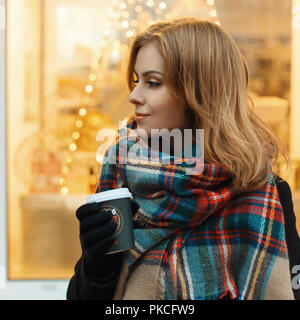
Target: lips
x: 140, y: 116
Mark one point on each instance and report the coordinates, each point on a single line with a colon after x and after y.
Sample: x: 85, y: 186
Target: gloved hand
x: 135, y: 206
x: 96, y: 236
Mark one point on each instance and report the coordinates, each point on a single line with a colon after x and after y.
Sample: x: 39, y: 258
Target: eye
x: 150, y: 83
x: 153, y: 84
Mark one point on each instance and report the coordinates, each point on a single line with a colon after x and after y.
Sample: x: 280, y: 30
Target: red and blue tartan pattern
x: 207, y: 241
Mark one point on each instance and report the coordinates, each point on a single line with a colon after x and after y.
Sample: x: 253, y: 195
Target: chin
x: 145, y: 129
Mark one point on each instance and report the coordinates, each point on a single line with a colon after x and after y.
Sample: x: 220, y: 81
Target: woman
x: 218, y: 233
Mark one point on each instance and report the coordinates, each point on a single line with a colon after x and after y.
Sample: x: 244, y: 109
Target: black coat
x: 84, y: 286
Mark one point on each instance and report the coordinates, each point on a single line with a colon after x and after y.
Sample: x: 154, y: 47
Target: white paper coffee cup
x: 117, y: 202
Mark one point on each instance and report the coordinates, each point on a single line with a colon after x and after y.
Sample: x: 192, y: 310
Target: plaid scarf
x: 195, y: 238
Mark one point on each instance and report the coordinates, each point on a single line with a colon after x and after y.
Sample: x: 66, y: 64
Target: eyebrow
x: 148, y: 72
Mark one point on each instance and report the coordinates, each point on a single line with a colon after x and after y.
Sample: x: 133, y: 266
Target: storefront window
x: 66, y: 81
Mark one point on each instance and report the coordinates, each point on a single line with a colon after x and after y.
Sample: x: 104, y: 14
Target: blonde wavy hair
x: 205, y: 69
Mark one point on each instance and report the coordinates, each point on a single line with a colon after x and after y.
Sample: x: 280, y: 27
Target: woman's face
x: 155, y: 108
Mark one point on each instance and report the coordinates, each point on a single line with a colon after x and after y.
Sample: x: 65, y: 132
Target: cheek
x: 165, y: 111
x: 173, y: 112
x: 165, y: 105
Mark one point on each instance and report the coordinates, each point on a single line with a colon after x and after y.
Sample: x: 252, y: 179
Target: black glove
x: 135, y: 206
x: 96, y: 236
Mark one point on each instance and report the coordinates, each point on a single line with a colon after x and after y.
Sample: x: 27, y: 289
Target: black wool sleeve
x: 84, y: 286
x: 292, y: 237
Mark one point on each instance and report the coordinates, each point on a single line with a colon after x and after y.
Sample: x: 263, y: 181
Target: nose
x: 136, y: 97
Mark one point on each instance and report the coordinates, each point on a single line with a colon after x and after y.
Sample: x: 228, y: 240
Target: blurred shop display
x: 68, y: 81
x: 87, y: 87
x: 50, y: 232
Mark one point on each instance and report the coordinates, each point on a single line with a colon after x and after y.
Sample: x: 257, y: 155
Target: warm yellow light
x: 218, y: 23
x: 99, y: 158
x: 150, y: 22
x: 125, y: 24
x: 115, y: 53
x: 79, y: 123
x: 107, y: 32
x: 150, y: 3
x: 115, y: 2
x: 162, y: 5
x: 124, y: 47
x: 213, y: 13
x: 96, y: 65
x: 117, y: 15
x: 111, y: 14
x: 82, y: 112
x: 158, y: 11
x: 85, y: 100
x: 72, y: 147
x: 124, y: 121
x: 89, y: 88
x: 64, y: 190
x: 125, y: 14
x: 130, y: 1
x: 69, y: 159
x: 210, y: 2
x: 99, y: 55
x: 116, y: 44
x: 129, y: 34
x: 76, y: 135
x: 62, y: 181
x: 122, y: 5
x: 108, y: 24
x: 138, y: 8
x: 134, y: 23
x: 102, y: 44
x: 65, y: 170
x: 92, y: 77
x: 296, y: 16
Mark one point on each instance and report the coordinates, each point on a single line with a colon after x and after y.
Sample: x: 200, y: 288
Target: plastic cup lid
x: 110, y: 195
